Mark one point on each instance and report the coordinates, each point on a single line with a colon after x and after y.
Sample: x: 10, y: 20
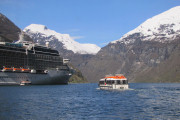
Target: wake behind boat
x: 114, y: 82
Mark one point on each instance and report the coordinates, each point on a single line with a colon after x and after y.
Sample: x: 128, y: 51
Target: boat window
x: 125, y: 82
x: 101, y: 82
x: 112, y: 82
x: 118, y: 82
x: 108, y: 82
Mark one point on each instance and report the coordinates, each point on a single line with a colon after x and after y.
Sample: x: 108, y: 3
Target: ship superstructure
x: 31, y: 61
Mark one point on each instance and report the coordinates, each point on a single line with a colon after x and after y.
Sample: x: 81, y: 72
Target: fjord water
x: 85, y: 101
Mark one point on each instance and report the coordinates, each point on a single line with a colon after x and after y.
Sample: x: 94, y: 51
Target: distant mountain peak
x: 159, y: 28
x: 36, y: 28
x: 65, y: 39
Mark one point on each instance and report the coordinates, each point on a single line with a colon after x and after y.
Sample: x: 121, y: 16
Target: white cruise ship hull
x: 52, y: 77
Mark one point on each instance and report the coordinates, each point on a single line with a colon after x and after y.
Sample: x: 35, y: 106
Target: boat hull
x: 114, y: 87
x: 52, y: 77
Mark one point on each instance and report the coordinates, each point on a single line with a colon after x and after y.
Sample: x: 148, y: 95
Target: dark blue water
x: 84, y: 101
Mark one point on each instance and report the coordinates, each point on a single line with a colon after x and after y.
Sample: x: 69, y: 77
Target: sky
x: 87, y: 21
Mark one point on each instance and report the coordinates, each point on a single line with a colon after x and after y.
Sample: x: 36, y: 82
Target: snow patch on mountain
x: 165, y: 25
x: 68, y: 42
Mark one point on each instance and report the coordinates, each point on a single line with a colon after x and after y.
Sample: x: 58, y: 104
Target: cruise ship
x: 26, y: 62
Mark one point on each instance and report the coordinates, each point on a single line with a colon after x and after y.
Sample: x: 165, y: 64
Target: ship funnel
x: 21, y: 37
x: 47, y: 44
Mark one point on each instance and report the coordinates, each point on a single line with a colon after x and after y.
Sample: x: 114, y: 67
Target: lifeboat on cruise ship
x: 114, y: 82
x: 25, y: 70
x: 5, y: 69
x: 16, y: 69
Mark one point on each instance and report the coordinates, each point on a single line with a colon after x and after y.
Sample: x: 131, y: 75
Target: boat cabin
x: 114, y: 82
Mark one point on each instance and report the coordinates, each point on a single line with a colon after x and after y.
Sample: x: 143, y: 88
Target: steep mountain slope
x: 167, y: 71
x: 141, y: 52
x: 9, y: 32
x: 62, y: 42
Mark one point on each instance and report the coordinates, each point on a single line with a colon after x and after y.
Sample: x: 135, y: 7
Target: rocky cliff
x: 9, y: 32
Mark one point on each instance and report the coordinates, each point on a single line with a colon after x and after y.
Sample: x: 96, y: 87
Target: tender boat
x: 114, y: 82
x: 27, y: 82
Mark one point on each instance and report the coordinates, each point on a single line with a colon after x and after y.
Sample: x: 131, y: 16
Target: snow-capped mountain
x: 149, y: 53
x: 41, y: 34
x: 162, y: 28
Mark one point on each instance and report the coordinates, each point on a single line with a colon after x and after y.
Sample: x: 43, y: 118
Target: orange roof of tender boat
x: 116, y: 77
